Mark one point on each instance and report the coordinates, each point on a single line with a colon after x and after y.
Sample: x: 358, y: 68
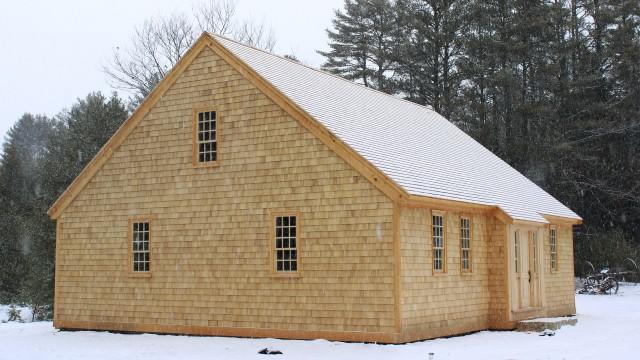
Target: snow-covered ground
x: 608, y: 328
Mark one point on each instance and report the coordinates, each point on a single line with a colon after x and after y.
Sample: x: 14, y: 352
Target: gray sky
x: 53, y: 50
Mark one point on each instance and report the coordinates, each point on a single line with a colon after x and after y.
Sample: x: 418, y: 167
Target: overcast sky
x: 51, y: 51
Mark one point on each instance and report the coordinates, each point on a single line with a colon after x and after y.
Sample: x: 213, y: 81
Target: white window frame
x: 516, y: 251
x: 206, y: 135
x: 140, y: 238
x: 439, y: 241
x: 553, y: 247
x: 285, y: 243
x: 465, y: 244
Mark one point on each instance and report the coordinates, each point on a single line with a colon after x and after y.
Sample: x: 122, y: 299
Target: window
x: 206, y: 145
x: 516, y: 249
x: 437, y: 226
x: 140, y: 240
x: 465, y: 244
x: 286, y: 253
x: 553, y: 247
x: 534, y: 248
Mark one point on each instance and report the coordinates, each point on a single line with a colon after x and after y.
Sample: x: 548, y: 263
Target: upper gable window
x: 206, y: 144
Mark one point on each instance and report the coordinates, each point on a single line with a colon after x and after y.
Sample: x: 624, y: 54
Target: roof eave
x: 562, y: 219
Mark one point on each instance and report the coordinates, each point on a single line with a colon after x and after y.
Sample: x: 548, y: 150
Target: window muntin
x: 465, y: 244
x: 286, y: 247
x: 207, y: 140
x: 553, y: 247
x: 437, y: 233
x: 140, y: 241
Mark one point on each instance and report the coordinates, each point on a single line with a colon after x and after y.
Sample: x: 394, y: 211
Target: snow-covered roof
x: 417, y: 148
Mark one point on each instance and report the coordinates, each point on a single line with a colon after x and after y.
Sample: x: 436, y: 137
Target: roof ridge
x: 425, y: 107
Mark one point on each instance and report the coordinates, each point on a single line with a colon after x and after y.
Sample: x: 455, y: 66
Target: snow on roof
x: 414, y: 146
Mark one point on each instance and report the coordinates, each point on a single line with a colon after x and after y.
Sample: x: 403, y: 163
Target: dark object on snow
x: 548, y: 333
x: 266, y: 351
x: 594, y: 285
x: 14, y: 314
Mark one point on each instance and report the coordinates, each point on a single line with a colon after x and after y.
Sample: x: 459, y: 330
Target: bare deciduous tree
x: 256, y: 34
x: 159, y: 43
x: 216, y: 16
x: 155, y: 48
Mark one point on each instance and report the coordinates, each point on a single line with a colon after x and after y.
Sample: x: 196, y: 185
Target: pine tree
x: 362, y: 43
x: 41, y: 157
x: 20, y: 188
x: 79, y: 135
x: 429, y: 47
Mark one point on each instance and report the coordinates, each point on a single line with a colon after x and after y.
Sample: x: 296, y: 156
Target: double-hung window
x: 141, y: 254
x: 553, y: 247
x: 438, y: 237
x: 465, y: 244
x: 286, y: 243
x: 205, y: 150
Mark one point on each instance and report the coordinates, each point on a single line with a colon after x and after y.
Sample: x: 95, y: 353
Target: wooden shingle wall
x: 209, y: 243
x: 559, y: 284
x: 454, y: 302
x: 497, y: 274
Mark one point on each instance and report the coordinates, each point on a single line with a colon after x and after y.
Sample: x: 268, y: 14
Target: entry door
x: 526, y: 268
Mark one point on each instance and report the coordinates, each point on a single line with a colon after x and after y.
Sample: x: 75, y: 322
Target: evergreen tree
x: 79, y: 135
x: 430, y: 44
x: 20, y: 188
x: 362, y: 44
x: 41, y: 157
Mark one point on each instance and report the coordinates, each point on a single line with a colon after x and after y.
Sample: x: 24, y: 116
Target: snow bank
x: 608, y: 328
x: 25, y: 313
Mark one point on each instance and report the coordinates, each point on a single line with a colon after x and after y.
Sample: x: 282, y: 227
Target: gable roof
x: 416, y: 147
x: 407, y: 150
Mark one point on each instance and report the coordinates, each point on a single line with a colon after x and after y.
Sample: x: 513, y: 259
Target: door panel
x: 534, y: 266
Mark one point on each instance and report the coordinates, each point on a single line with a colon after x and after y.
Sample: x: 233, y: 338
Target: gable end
x: 366, y: 169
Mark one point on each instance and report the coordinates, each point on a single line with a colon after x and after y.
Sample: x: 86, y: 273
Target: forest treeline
x: 552, y: 87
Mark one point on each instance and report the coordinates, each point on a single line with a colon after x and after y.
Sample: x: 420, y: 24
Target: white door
x: 525, y: 277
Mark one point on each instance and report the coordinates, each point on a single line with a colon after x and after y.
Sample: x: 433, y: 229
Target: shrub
x: 14, y: 313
